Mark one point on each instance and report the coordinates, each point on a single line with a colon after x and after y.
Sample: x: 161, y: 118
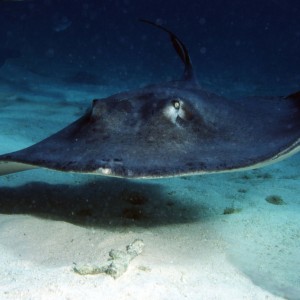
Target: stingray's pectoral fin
x: 8, y: 167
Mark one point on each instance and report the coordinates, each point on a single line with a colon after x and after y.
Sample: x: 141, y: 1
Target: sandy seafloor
x: 50, y: 221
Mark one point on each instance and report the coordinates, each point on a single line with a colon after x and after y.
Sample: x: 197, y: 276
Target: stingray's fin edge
x: 9, y: 167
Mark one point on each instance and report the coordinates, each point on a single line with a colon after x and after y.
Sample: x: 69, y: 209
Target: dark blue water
x: 229, y: 41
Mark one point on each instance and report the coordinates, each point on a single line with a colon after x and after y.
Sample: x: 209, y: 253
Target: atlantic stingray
x: 168, y: 129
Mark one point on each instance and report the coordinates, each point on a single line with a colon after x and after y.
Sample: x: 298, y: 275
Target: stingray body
x: 170, y: 129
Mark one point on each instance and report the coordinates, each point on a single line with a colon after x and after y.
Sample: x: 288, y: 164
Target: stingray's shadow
x: 102, y: 202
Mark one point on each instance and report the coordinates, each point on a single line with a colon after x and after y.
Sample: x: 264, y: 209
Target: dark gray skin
x: 170, y: 129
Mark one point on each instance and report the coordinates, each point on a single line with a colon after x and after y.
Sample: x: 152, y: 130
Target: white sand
x: 50, y: 220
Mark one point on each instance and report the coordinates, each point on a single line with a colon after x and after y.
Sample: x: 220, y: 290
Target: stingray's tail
x: 295, y: 99
x: 294, y: 96
x: 181, y: 50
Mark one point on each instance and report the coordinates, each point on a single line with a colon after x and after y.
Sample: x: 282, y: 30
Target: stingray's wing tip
x: 9, y: 167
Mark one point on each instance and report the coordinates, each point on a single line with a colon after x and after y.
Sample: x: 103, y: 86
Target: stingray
x: 168, y: 129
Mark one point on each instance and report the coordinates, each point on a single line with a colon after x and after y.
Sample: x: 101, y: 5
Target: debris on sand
x: 117, y: 263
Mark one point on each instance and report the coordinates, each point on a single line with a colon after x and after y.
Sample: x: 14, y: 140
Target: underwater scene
x: 162, y: 159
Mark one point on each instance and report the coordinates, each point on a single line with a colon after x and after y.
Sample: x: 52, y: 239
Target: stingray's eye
x: 174, y: 109
x: 176, y: 104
